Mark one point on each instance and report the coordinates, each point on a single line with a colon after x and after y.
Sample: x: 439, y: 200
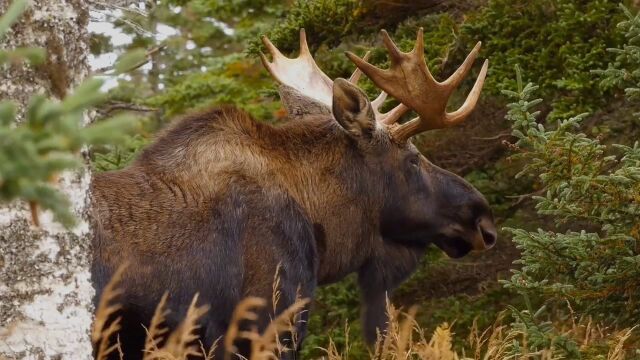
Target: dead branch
x: 103, y: 71
x: 115, y: 106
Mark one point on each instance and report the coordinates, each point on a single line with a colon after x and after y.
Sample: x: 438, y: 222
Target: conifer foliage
x: 589, y: 262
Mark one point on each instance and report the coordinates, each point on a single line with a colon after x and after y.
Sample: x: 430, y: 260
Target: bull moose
x: 219, y: 201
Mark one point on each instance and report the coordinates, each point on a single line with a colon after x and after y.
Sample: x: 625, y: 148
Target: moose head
x: 417, y: 202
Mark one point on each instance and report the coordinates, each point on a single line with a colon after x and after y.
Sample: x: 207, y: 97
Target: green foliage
x: 130, y: 60
x: 335, y: 316
x: 220, y: 84
x: 623, y: 72
x: 117, y: 156
x: 314, y: 16
x: 557, y: 41
x: 47, y: 139
x: 590, y: 259
x: 587, y: 184
x: 248, y: 18
x: 540, y: 335
x: 47, y: 142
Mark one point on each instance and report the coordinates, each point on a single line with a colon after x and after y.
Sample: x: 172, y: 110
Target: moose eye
x: 415, y: 162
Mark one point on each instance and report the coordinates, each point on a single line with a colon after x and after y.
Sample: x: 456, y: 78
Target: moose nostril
x: 488, y: 230
x: 489, y: 237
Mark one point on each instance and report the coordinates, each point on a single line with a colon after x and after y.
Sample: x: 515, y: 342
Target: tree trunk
x: 45, y: 289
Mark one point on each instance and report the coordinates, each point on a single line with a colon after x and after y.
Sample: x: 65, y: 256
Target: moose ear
x: 352, y: 108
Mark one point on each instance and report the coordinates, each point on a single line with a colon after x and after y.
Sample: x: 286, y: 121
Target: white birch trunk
x: 45, y: 289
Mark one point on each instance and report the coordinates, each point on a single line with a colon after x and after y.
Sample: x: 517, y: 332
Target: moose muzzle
x: 486, y: 234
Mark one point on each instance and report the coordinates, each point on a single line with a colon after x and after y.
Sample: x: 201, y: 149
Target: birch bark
x: 45, y: 289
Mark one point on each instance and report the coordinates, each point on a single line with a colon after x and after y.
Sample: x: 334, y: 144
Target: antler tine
x: 273, y: 50
x: 304, y: 47
x: 418, y: 48
x: 459, y: 115
x: 394, y: 53
x: 394, y: 114
x: 300, y: 73
x: 357, y: 73
x: 418, y: 53
x: 275, y: 54
x: 267, y: 65
x: 377, y: 103
x: 376, y: 75
x: 390, y: 117
x: 456, y: 78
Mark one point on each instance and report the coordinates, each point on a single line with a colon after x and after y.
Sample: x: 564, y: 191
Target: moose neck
x: 316, y: 162
x: 328, y: 176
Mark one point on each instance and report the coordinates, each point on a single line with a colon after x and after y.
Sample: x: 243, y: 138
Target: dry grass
x: 404, y: 339
x: 245, y: 311
x: 156, y: 332
x: 101, y: 333
x: 617, y: 351
x: 184, y: 342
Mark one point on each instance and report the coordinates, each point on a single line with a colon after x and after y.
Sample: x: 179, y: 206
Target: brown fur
x: 218, y: 202
x: 174, y: 181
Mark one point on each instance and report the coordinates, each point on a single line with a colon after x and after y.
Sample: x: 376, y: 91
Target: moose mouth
x: 454, y: 247
x: 457, y: 246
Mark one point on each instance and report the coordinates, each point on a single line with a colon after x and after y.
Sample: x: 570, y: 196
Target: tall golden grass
x: 183, y: 342
x: 101, y: 333
x: 403, y: 340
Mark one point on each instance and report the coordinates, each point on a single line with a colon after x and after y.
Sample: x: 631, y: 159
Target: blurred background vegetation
x: 562, y: 173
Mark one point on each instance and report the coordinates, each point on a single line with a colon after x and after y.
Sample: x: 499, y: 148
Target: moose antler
x: 301, y: 73
x: 409, y: 80
x: 390, y: 117
x: 304, y: 76
x: 384, y: 118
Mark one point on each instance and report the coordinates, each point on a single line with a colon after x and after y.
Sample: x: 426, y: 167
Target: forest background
x: 562, y: 174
